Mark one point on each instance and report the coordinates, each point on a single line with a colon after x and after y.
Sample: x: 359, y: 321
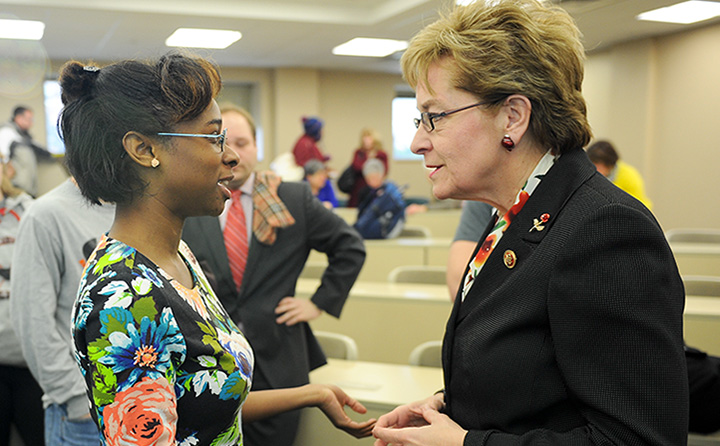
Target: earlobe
x: 139, y: 148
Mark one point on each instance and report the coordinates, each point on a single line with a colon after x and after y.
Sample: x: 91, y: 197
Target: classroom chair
x: 691, y: 235
x: 411, y: 231
x: 336, y: 345
x: 702, y: 286
x: 434, y: 275
x: 704, y: 440
x: 428, y: 354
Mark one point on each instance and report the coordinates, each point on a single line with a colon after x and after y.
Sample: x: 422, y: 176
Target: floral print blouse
x: 163, y: 364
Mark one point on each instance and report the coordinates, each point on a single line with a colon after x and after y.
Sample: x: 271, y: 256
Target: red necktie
x: 235, y: 234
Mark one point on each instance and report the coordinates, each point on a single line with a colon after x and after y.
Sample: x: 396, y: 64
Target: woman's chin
x: 441, y: 193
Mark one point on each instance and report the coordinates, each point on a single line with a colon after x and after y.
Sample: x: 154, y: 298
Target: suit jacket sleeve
x: 345, y: 250
x: 615, y: 311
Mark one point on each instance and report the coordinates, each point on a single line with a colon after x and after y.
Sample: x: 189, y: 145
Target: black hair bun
x: 77, y: 81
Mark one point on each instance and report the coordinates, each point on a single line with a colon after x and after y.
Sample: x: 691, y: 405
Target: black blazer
x: 285, y: 354
x: 580, y: 342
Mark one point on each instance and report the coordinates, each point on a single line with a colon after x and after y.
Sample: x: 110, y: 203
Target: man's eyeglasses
x: 428, y: 119
x: 219, y: 139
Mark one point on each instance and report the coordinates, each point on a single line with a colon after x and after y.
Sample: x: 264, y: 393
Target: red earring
x: 507, y: 142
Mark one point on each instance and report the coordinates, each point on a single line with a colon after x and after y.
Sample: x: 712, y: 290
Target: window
x: 404, y: 109
x: 53, y: 105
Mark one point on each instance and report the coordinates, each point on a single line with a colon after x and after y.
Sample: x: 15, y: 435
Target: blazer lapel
x: 528, y: 229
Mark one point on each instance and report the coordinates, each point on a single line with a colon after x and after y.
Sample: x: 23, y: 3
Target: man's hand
x: 292, y: 310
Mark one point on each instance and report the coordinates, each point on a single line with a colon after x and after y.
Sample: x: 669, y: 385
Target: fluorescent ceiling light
x: 203, y: 38
x: 21, y: 29
x: 686, y: 12
x: 369, y: 47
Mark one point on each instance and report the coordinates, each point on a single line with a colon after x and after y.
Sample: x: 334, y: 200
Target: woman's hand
x: 419, y: 423
x: 332, y: 404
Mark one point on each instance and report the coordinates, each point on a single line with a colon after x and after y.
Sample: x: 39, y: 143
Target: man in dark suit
x: 286, y: 222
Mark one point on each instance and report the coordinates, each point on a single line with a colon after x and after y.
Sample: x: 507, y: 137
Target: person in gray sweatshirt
x: 20, y: 395
x: 56, y: 235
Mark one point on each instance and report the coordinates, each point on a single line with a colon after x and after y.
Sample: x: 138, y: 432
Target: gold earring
x: 154, y: 163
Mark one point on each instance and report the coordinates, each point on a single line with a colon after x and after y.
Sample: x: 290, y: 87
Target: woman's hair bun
x: 77, y: 80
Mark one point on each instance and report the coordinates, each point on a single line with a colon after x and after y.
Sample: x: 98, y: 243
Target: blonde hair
x: 507, y: 47
x: 377, y: 143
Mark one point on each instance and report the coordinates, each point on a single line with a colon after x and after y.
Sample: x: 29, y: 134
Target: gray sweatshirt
x: 11, y: 211
x: 56, y: 235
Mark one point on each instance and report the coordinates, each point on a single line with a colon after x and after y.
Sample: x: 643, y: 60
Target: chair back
x: 336, y: 345
x: 411, y: 231
x: 702, y: 286
x: 428, y: 354
x: 689, y: 235
x: 418, y: 274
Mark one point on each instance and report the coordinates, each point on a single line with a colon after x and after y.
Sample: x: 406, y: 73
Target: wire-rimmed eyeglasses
x: 219, y: 139
x: 428, y: 119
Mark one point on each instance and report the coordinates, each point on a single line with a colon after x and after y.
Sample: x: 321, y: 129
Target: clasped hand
x: 419, y: 424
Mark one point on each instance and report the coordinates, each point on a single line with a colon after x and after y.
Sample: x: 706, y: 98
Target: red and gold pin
x: 538, y: 223
x: 510, y: 259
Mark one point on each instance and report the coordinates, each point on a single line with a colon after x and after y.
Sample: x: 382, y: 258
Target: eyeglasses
x: 219, y: 139
x: 428, y: 119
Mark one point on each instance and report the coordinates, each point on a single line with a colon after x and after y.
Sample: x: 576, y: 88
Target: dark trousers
x: 21, y: 405
x: 279, y: 430
x: 704, y: 383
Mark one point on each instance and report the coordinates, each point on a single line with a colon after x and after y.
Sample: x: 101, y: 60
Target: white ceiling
x: 282, y: 33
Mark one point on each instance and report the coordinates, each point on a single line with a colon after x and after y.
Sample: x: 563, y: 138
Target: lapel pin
x: 538, y: 223
x: 510, y: 259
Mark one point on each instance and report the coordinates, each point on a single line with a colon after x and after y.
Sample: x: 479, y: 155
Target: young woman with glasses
x: 163, y: 362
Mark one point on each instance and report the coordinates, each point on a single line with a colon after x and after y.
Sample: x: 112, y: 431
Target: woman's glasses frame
x: 427, y: 119
x: 219, y: 139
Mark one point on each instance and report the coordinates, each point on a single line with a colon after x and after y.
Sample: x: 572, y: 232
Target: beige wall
x: 351, y: 101
x: 655, y: 99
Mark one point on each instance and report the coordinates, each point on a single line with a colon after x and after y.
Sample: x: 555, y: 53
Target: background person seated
x: 381, y: 209
x: 316, y: 176
x: 626, y: 177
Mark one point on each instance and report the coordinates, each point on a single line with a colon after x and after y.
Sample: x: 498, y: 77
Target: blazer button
x: 510, y: 259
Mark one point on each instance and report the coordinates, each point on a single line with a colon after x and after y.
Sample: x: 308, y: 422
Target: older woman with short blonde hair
x: 567, y: 327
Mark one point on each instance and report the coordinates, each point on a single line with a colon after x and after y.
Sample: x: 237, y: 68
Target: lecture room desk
x: 698, y: 259
x: 440, y: 222
x: 384, y: 255
x: 387, y: 320
x: 379, y: 387
x: 702, y: 323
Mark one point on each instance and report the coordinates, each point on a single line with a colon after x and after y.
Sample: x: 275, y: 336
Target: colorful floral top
x: 163, y: 364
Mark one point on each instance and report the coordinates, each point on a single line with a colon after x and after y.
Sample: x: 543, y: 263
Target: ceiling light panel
x: 21, y: 29
x: 684, y: 13
x: 203, y: 38
x: 369, y: 47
